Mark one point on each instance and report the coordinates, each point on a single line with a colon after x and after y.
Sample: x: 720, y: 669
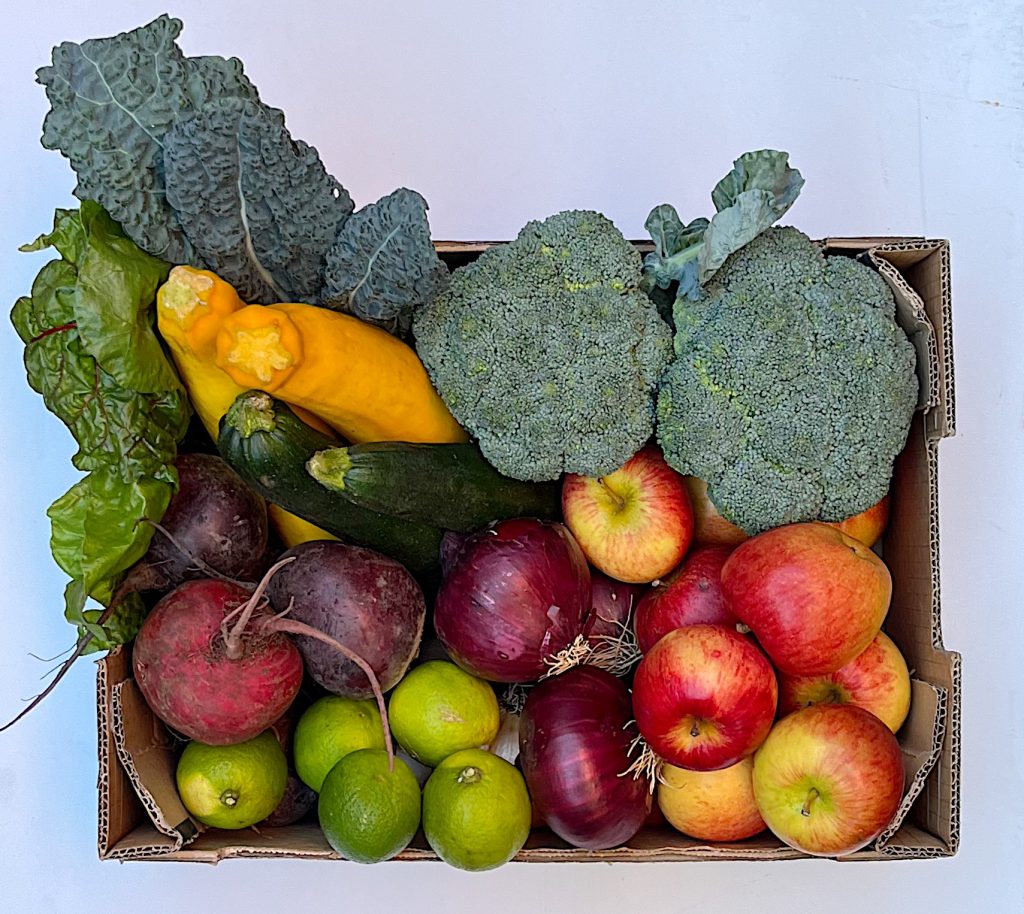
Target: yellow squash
x: 190, y: 307
x: 360, y: 379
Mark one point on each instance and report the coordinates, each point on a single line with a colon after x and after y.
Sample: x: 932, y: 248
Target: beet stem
x: 278, y: 624
x: 233, y: 638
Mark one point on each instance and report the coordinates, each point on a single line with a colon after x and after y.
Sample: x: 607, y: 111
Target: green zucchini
x: 450, y: 485
x: 268, y: 446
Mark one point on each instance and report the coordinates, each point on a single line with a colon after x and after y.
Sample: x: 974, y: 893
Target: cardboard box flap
x: 921, y: 742
x: 146, y: 751
x: 925, y: 267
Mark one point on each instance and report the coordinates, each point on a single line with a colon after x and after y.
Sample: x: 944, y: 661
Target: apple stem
x: 812, y: 795
x: 620, y: 502
x: 694, y: 730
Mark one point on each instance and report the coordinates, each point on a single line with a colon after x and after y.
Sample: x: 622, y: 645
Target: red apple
x: 828, y: 779
x: 711, y: 805
x: 704, y: 697
x: 692, y: 594
x: 635, y: 524
x: 876, y: 680
x: 867, y: 526
x: 709, y: 527
x: 813, y: 596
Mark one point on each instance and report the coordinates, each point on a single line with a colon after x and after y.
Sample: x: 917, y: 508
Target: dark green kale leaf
x: 258, y: 207
x: 112, y: 100
x: 383, y: 264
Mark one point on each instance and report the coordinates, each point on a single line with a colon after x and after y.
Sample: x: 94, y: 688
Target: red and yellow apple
x: 813, y: 596
x: 876, y: 679
x: 711, y: 805
x: 828, y: 779
x: 867, y: 526
x: 692, y: 594
x: 709, y: 527
x: 704, y: 697
x: 635, y: 524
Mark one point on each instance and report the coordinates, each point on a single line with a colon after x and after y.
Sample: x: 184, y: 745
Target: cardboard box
x: 142, y: 818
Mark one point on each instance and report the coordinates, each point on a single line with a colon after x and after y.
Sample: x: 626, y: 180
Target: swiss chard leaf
x: 127, y: 414
x: 383, y: 265
x: 113, y: 306
x: 112, y: 100
x: 115, y: 425
x: 258, y: 206
x: 96, y: 530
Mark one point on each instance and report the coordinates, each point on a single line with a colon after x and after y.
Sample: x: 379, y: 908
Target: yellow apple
x: 711, y: 805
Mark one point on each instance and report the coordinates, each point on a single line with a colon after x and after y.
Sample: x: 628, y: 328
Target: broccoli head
x: 546, y: 350
x: 792, y: 388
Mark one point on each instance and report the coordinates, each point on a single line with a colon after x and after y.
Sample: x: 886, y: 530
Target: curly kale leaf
x: 383, y: 265
x: 257, y: 206
x: 112, y: 101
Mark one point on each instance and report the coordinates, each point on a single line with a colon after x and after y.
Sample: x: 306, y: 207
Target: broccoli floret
x: 546, y: 350
x: 792, y: 388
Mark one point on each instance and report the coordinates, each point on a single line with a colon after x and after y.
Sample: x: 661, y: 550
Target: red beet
x: 213, y: 663
x: 183, y: 669
x: 360, y: 598
x: 691, y: 595
x: 216, y: 521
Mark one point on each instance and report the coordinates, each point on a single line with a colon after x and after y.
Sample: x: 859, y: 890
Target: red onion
x: 513, y: 597
x: 613, y: 604
x: 574, y: 742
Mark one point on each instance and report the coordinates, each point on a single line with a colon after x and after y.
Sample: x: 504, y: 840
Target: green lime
x: 330, y: 729
x: 368, y: 813
x: 476, y: 810
x: 233, y: 786
x: 438, y: 709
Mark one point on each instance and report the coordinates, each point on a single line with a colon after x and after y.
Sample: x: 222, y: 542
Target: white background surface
x: 905, y: 118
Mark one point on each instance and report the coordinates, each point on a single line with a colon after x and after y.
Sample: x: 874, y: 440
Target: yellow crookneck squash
x: 190, y: 307
x: 363, y: 381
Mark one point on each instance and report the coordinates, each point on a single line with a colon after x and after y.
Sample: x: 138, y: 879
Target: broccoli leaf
x: 383, y: 266
x: 676, y: 249
x: 752, y: 197
x: 112, y: 100
x: 259, y: 207
x: 765, y: 169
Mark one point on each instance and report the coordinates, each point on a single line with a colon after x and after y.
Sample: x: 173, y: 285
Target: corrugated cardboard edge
x: 933, y: 775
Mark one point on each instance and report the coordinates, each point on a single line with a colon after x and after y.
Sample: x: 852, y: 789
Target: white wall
x: 905, y: 118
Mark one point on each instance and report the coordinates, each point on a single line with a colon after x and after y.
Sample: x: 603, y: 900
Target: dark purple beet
x: 213, y: 517
x: 363, y: 599
x: 574, y: 738
x: 295, y: 805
